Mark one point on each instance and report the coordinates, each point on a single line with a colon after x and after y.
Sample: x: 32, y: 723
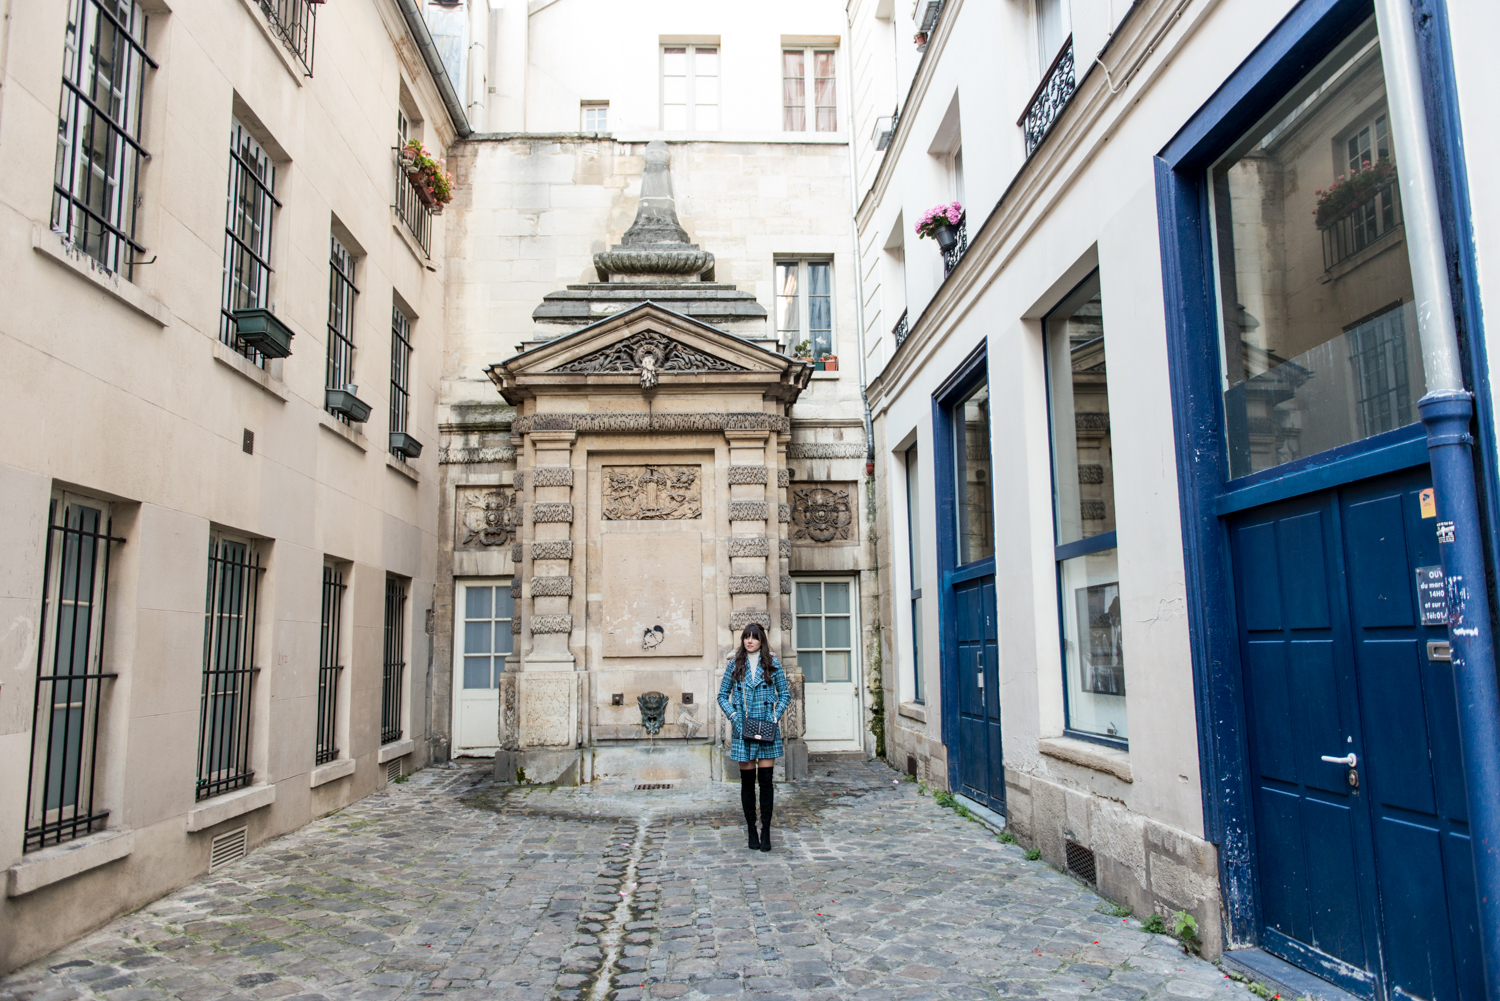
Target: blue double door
x: 981, y: 765
x: 1361, y: 842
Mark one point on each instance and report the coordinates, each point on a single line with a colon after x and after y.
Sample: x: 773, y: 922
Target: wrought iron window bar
x: 230, y: 614
x: 329, y: 667
x: 400, y: 380
x: 1362, y: 224
x: 341, y: 294
x: 60, y: 797
x: 414, y: 213
x: 395, y: 666
x: 902, y: 329
x: 99, y: 153
x: 295, y: 22
x: 1051, y: 97
x: 247, y: 237
x: 955, y: 253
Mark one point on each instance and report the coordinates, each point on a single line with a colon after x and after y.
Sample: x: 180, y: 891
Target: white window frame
x: 810, y: 86
x: 690, y: 96
x: 584, y: 107
x: 804, y: 329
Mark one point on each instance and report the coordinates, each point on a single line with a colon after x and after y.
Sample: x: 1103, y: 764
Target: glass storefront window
x: 971, y: 464
x: 1316, y: 319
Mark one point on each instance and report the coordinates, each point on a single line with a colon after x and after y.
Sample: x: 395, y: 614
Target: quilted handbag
x: 763, y: 730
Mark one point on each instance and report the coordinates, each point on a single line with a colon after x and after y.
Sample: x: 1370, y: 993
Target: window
x: 1052, y: 30
x: 595, y: 116
x: 1317, y: 326
x: 690, y: 88
x: 229, y: 669
x: 341, y: 293
x: 329, y: 666
x: 825, y: 641
x: 804, y: 306
x: 971, y: 466
x: 247, y: 235
x: 795, y: 107
x: 98, y: 130
x: 400, y: 374
x: 409, y: 205
x: 394, y: 671
x: 1088, y: 576
x: 487, y: 633
x: 914, y: 549
x: 60, y: 802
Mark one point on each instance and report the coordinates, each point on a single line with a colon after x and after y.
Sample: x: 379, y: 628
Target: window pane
x: 809, y: 632
x: 504, y: 603
x: 706, y: 118
x: 674, y: 90
x: 674, y: 61
x: 705, y: 62
x: 1082, y: 467
x: 914, y: 515
x: 503, y: 638
x: 820, y: 307
x: 476, y: 672
x: 916, y: 650
x: 835, y: 667
x: 1094, y: 658
x: 793, y: 91
x: 836, y: 632
x: 837, y: 598
x: 476, y: 637
x: 812, y: 667
x: 971, y: 433
x: 674, y: 117
x: 823, y: 92
x: 1318, y: 331
x: 477, y: 602
x: 809, y: 599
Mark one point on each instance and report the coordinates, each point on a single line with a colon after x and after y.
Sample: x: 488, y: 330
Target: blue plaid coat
x: 765, y: 701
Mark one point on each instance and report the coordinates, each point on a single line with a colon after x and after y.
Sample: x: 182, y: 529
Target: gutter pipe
x: 1446, y: 411
x: 418, y: 28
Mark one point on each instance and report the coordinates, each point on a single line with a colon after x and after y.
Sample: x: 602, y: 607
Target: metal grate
x: 1081, y: 862
x: 247, y: 235
x: 409, y: 206
x: 956, y: 253
x: 65, y: 715
x: 393, y: 770
x: 653, y: 785
x: 341, y: 293
x: 902, y: 329
x: 395, y: 663
x: 226, y: 848
x: 228, y: 667
x: 247, y: 443
x: 329, y: 666
x: 1051, y: 97
x: 911, y: 765
x: 98, y: 130
x: 400, y: 372
x: 295, y: 23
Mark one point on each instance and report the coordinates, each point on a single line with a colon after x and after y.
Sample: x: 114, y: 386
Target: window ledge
x: 232, y: 359
x: 1111, y: 760
x: 53, y: 865
x: 403, y: 468
x: 230, y: 805
x: 350, y: 435
x: 826, y: 375
x: 399, y: 749
x: 56, y: 247
x: 399, y: 225
x: 913, y: 711
x: 323, y: 774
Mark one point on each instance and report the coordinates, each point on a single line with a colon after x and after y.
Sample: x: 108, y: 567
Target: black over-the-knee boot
x: 767, y: 801
x: 747, y: 800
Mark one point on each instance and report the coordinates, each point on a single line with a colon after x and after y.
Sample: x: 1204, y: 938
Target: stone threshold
x: 1282, y: 977
x: 989, y: 818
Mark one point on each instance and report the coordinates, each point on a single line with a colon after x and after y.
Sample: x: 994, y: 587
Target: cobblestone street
x: 446, y: 886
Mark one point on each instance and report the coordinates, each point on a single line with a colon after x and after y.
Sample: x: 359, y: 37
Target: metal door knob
x: 1348, y: 762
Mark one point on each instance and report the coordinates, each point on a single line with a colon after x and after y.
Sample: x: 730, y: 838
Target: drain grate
x: 1081, y: 862
x: 393, y: 770
x: 653, y: 785
x: 226, y: 848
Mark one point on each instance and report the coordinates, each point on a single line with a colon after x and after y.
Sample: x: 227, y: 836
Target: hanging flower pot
x: 941, y: 222
x: 946, y: 235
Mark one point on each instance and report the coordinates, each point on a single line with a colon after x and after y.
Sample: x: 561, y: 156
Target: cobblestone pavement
x: 448, y: 887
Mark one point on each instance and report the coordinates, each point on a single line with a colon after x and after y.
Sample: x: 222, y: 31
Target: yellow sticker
x: 1429, y: 503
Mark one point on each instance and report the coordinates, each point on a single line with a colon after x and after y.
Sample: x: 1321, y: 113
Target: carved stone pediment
x: 649, y: 354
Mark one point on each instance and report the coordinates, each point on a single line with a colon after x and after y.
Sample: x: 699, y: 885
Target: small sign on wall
x: 1432, y: 596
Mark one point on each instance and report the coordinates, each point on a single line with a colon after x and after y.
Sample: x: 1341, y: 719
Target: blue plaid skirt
x: 766, y: 700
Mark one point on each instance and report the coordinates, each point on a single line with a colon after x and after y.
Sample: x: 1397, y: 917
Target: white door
x: 828, y: 656
x: 481, y: 641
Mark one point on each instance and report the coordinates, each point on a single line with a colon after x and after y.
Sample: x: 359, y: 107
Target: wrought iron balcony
x: 294, y: 22
x: 1362, y: 223
x: 412, y: 209
x: 955, y: 253
x: 1051, y: 97
x: 902, y: 328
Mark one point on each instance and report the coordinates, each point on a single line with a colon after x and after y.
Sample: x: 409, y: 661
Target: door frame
x: 1308, y: 33
x: 457, y: 665
x: 856, y: 667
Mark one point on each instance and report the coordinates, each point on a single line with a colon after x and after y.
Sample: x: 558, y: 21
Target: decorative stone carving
x: 786, y: 619
x: 653, y: 711
x: 551, y: 476
x: 515, y: 587
x: 783, y: 513
x: 783, y: 477
x: 484, y: 517
x: 508, y: 735
x: 1084, y: 420
x: 784, y: 547
x: 547, y: 701
x: 515, y: 552
x: 747, y: 474
x: 1090, y: 472
x: 552, y: 550
x: 515, y: 625
x: 822, y: 513
x: 644, y: 423
x: 824, y: 450
x: 648, y: 353
x: 747, y: 510
x: 542, y: 587
x: 749, y: 583
x: 466, y: 454
x: 786, y: 583
x: 741, y: 619
x: 688, y: 722
x: 652, y: 493
x: 552, y: 512
x: 749, y: 547
x: 543, y: 624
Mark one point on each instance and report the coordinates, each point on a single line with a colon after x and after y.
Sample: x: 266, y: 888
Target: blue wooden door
x: 981, y: 767
x: 1364, y: 870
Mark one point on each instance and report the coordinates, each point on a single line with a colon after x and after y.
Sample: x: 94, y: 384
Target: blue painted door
x: 981, y: 767
x: 1364, y: 870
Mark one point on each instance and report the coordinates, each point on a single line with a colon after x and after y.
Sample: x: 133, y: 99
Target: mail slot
x: 1439, y: 650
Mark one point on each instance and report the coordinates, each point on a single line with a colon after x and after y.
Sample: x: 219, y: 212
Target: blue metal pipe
x: 1446, y: 415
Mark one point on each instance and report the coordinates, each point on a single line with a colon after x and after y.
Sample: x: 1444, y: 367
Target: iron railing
x: 1362, y: 224
x: 1051, y: 97
x: 295, y: 22
x: 69, y: 678
x: 341, y: 293
x: 395, y: 664
x: 247, y: 235
x: 99, y: 153
x: 902, y: 328
x: 413, y: 211
x: 400, y: 370
x: 329, y: 667
x: 229, y: 670
x: 960, y: 247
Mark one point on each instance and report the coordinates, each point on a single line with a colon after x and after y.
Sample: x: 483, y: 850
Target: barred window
x: 98, y: 130
x: 228, y: 666
x: 329, y: 667
x: 394, y: 671
x: 341, y: 293
x: 247, y: 235
x: 400, y: 371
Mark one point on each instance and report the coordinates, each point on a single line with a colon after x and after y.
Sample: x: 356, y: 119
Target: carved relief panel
x: 653, y: 493
x: 823, y: 513
x: 485, y: 517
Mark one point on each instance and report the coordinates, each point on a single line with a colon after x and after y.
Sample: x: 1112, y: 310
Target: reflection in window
x: 825, y: 641
x: 914, y: 542
x: 487, y: 635
x: 971, y: 448
x: 804, y: 306
x: 1318, y: 333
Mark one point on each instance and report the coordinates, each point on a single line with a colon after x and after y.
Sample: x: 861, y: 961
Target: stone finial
x: 655, y: 247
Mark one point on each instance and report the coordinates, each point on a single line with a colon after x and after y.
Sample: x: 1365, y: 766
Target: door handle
x: 1348, y: 762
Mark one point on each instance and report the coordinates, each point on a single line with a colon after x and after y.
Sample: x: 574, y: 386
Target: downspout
x: 451, y: 100
x: 1446, y: 411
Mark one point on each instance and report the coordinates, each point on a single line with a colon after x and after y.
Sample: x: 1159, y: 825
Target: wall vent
x: 248, y: 442
x: 226, y: 848
x: 653, y: 785
x: 911, y: 765
x: 393, y: 769
x: 1081, y: 863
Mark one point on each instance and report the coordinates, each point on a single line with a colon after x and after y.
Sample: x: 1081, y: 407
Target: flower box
x: 260, y: 329
x: 830, y: 363
x: 344, y: 403
x: 404, y: 444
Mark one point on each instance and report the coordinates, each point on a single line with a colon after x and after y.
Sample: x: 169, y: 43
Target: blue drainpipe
x: 1446, y: 411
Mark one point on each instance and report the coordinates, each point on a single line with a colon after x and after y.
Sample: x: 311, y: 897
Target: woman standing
x: 753, y: 695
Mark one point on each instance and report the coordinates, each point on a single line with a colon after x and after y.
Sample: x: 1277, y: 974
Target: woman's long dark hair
x: 753, y: 630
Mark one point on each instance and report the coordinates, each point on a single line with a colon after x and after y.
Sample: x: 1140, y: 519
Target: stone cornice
x: 639, y: 423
